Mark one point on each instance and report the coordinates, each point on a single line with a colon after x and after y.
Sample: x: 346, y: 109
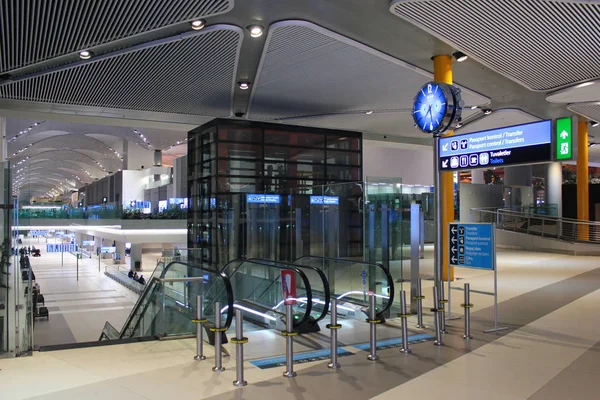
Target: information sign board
x: 471, y: 245
x: 564, y: 138
x: 326, y: 200
x: 288, y: 286
x: 263, y: 198
x: 519, y: 144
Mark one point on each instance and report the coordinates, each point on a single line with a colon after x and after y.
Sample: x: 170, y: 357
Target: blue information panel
x: 263, y: 198
x: 324, y: 200
x: 519, y: 144
x: 471, y: 245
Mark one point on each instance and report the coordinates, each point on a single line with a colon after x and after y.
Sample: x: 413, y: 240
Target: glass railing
x: 257, y: 289
x: 168, y: 304
x: 99, y: 212
x: 351, y: 282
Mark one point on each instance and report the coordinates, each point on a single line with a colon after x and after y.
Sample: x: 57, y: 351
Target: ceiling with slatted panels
x: 346, y: 64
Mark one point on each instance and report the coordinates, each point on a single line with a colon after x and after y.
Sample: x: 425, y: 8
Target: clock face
x: 429, y: 109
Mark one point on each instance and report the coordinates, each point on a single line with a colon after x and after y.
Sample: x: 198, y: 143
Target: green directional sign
x: 564, y: 138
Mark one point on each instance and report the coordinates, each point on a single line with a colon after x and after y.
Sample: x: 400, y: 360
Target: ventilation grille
x: 589, y: 110
x: 308, y: 70
x: 193, y: 76
x: 543, y: 45
x: 36, y: 30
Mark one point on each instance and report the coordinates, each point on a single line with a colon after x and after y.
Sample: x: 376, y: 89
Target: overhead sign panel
x: 326, y: 200
x: 471, y: 245
x: 263, y: 198
x: 564, y: 138
x: 519, y: 144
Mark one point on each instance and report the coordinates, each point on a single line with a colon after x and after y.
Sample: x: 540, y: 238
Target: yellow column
x: 583, y: 200
x: 442, y: 72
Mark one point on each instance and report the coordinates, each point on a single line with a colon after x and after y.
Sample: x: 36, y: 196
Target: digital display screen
x: 263, y: 198
x: 519, y: 144
x: 325, y: 200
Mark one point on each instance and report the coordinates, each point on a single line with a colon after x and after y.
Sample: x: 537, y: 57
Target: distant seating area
x: 124, y: 280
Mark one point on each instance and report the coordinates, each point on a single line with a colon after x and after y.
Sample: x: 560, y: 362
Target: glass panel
x: 343, y: 158
x: 287, y: 137
x: 343, y: 142
x: 284, y: 154
x: 240, y: 134
x: 240, y: 150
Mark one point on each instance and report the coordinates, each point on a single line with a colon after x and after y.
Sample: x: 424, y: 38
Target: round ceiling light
x: 198, y: 24
x: 369, y: 112
x: 256, y: 30
x: 85, y: 54
x: 487, y: 111
x: 244, y: 85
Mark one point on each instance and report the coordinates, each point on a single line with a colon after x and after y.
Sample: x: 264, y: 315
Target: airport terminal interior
x: 301, y: 199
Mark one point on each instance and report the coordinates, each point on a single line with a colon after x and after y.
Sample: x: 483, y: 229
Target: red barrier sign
x: 288, y: 286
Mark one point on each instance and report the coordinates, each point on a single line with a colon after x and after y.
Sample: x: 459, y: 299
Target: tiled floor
x: 80, y: 307
x: 551, y: 351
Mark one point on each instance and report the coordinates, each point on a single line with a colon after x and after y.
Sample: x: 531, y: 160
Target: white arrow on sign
x: 453, y: 240
x: 453, y: 230
x: 564, y: 135
x: 454, y: 249
x: 445, y: 164
x: 445, y: 147
x: 454, y: 259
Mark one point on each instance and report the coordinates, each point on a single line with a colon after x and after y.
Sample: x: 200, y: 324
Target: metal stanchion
x: 218, y: 330
x: 419, y: 299
x: 467, y: 306
x: 373, y: 334
x: 436, y: 318
x: 239, y: 349
x: 199, y: 321
x: 404, y: 315
x: 333, y: 328
x: 442, y: 307
x: 289, y: 337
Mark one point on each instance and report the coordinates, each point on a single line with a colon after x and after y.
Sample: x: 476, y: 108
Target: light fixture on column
x: 487, y: 111
x: 594, y: 124
x: 460, y: 56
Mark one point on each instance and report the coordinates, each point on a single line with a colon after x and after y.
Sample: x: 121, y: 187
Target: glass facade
x: 232, y: 163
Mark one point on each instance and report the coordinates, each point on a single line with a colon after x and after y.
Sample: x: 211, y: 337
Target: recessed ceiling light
x: 244, y: 85
x: 584, y: 84
x: 198, y: 24
x: 459, y: 125
x: 85, y: 54
x: 256, y: 30
x: 474, y: 107
x: 594, y: 124
x: 487, y: 111
x: 460, y: 56
x: 369, y: 112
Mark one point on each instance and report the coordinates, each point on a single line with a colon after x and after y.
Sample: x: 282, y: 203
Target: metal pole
x: 437, y: 255
x: 289, y: 337
x: 436, y: 318
x: 62, y: 255
x: 495, y: 266
x: 239, y: 349
x: 373, y: 334
x: 218, y: 339
x: 419, y: 298
x: 99, y: 254
x: 199, y: 327
x: 404, y: 315
x: 77, y: 263
x: 467, y: 306
x: 333, y: 327
x: 441, y: 308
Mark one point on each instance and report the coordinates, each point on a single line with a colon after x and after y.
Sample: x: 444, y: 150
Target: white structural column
x: 135, y: 157
x: 97, y: 244
x: 554, y: 185
x: 121, y: 250
x: 136, y: 256
x: 477, y: 176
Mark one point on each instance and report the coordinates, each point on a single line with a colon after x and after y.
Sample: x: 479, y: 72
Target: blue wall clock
x: 436, y: 107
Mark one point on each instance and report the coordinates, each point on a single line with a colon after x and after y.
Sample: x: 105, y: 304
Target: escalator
x: 257, y: 289
x: 167, y: 306
x: 351, y: 282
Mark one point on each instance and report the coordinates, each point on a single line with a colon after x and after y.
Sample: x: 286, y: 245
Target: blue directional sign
x: 326, y: 200
x: 472, y: 245
x: 519, y: 144
x: 263, y: 198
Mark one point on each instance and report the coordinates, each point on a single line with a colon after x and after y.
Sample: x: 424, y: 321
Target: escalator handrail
x: 134, y: 311
x: 226, y: 283
x: 326, y: 290
x: 380, y: 266
x: 302, y: 275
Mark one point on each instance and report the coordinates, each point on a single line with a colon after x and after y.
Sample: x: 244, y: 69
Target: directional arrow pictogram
x: 453, y: 229
x: 445, y: 164
x: 454, y: 259
x: 564, y: 135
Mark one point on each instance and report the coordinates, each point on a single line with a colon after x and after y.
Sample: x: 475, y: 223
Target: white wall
x: 133, y: 188
x: 414, y: 165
